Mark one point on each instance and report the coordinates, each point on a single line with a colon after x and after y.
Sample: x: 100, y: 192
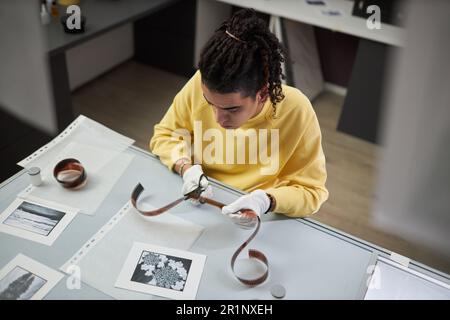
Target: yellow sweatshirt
x: 280, y: 154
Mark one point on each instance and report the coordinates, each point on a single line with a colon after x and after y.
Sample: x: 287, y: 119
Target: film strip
x: 195, y: 194
x: 70, y: 173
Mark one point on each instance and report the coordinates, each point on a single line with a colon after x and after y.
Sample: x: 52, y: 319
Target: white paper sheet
x: 26, y: 279
x: 88, y: 198
x: 36, y: 219
x: 84, y: 131
x: 93, y: 158
x: 101, y: 257
x: 99, y: 149
x: 161, y: 271
x: 392, y: 281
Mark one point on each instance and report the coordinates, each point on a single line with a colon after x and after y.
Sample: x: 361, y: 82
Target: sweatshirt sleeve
x: 301, y: 190
x: 172, y: 135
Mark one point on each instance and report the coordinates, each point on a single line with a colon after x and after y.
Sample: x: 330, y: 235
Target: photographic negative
x: 36, y: 219
x: 165, y: 272
x: 26, y: 279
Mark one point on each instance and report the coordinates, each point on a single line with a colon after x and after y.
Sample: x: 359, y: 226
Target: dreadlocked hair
x: 243, y: 56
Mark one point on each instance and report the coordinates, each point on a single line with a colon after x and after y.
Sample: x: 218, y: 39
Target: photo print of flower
x: 162, y: 270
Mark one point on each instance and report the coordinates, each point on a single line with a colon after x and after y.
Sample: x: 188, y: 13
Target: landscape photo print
x: 36, y: 220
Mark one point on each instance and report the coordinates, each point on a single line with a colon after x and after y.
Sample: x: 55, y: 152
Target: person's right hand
x: 193, y: 178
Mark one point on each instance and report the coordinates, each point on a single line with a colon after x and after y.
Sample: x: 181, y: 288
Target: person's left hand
x: 257, y: 201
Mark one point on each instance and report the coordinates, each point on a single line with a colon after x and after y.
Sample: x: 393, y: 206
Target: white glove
x: 257, y: 200
x: 193, y: 177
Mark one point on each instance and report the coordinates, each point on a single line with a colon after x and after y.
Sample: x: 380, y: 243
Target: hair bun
x: 245, y: 23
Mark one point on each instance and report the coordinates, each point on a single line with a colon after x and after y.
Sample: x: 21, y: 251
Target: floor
x: 133, y: 97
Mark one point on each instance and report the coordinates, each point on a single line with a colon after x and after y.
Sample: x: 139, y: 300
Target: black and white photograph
x: 26, y: 279
x: 36, y: 219
x: 20, y: 284
x: 165, y: 272
x: 162, y: 270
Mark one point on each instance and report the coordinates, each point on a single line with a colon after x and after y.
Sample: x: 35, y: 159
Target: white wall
x: 25, y: 89
x: 98, y: 55
x: 210, y: 14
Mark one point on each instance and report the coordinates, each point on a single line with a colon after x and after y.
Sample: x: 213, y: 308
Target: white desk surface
x: 311, y: 260
x: 301, y: 11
